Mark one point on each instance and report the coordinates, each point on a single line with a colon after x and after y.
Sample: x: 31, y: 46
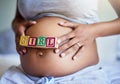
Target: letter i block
x: 32, y: 41
x: 51, y: 42
x: 41, y: 41
x: 24, y: 40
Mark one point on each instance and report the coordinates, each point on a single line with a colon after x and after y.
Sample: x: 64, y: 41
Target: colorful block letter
x: 32, y: 41
x: 41, y: 41
x: 24, y: 40
x: 50, y: 42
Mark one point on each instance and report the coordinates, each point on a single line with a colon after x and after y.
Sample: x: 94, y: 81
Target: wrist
x: 94, y: 30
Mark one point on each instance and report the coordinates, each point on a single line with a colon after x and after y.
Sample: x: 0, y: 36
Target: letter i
x: 32, y: 41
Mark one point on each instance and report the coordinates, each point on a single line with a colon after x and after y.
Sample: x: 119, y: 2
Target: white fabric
x: 15, y: 75
x: 8, y: 60
x: 81, y: 10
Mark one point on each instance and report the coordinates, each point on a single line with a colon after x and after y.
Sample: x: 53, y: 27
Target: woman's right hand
x: 19, y: 29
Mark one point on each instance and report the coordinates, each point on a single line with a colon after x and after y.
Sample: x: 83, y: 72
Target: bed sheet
x: 8, y: 60
x: 113, y: 71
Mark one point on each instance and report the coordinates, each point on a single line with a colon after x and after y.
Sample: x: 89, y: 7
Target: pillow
x: 7, y: 42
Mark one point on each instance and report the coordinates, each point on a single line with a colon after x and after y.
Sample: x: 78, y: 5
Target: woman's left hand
x: 81, y: 36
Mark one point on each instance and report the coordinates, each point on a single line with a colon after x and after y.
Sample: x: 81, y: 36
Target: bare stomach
x: 51, y: 64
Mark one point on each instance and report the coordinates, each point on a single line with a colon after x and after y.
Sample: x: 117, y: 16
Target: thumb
x: 22, y: 31
x: 26, y: 25
x: 30, y: 23
x: 68, y: 24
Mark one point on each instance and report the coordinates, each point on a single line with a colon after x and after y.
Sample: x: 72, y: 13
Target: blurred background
x: 106, y: 45
x: 7, y: 12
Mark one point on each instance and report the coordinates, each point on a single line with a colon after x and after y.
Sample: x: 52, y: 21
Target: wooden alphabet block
x: 32, y: 41
x: 50, y: 42
x: 41, y: 41
x: 24, y: 40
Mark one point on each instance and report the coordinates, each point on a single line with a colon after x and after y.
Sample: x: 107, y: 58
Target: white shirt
x: 75, y: 10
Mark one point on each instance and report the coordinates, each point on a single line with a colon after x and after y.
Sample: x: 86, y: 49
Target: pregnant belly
x: 51, y: 64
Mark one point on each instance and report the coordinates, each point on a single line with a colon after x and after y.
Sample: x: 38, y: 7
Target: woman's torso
x: 83, y: 11
x: 51, y: 64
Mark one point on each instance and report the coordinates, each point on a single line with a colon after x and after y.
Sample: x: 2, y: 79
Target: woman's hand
x: 19, y: 28
x: 81, y: 36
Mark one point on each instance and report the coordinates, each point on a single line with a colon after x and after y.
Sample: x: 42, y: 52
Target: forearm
x: 107, y: 28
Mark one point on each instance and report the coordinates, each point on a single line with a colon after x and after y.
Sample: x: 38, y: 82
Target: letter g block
x: 24, y: 40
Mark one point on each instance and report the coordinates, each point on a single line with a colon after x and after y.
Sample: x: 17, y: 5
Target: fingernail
x: 24, y: 50
x: 74, y: 58
x: 34, y: 22
x: 61, y: 23
x: 63, y: 55
x: 59, y: 41
x: 57, y: 50
x: 41, y: 53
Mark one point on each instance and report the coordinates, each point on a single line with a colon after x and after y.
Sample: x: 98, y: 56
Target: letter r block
x: 41, y: 41
x: 24, y: 40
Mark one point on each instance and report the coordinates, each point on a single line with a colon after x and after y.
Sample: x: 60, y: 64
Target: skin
x: 19, y: 26
x: 85, y: 34
x: 48, y: 63
x: 80, y: 33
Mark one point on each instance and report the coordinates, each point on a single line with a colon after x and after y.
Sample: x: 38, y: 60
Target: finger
x: 30, y: 23
x: 23, y: 27
x: 78, y: 53
x: 71, y: 51
x: 21, y: 50
x: 66, y: 37
x: 21, y: 31
x: 68, y: 24
x: 69, y: 44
